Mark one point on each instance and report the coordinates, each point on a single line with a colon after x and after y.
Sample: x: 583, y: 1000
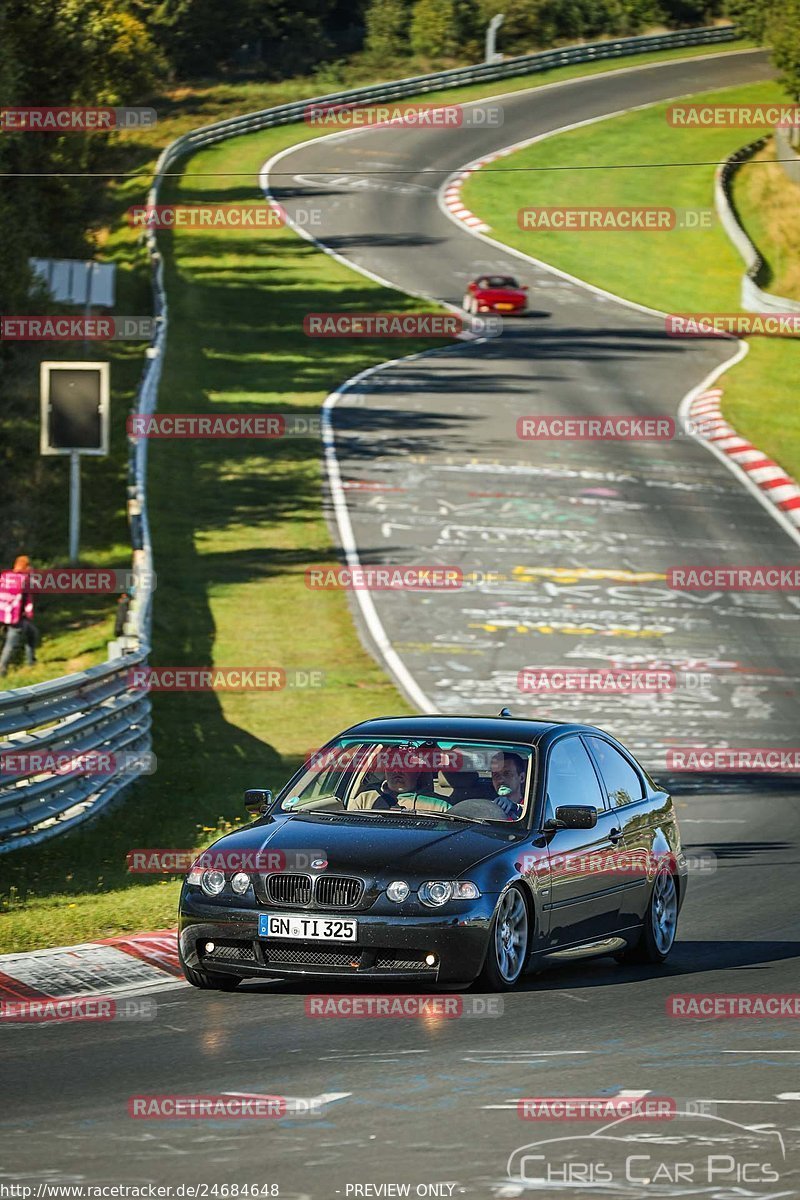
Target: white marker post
x: 491, y: 38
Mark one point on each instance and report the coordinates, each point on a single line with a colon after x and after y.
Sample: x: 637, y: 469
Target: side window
x: 622, y: 782
x: 571, y: 778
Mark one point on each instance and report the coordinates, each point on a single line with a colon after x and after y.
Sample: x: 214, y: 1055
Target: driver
x: 508, y: 781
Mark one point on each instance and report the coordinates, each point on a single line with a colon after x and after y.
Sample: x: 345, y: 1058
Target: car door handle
x: 615, y: 836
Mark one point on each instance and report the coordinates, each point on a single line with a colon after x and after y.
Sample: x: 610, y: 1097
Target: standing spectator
x: 121, y: 615
x: 16, y: 613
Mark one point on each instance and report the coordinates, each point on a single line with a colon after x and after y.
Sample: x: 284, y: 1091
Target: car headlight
x: 212, y: 882
x: 436, y: 892
x: 398, y: 891
x: 240, y: 883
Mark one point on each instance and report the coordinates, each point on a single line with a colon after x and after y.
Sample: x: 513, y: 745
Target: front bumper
x: 504, y: 308
x: 387, y: 947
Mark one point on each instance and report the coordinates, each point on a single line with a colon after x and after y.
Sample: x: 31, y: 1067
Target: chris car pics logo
x: 704, y: 1155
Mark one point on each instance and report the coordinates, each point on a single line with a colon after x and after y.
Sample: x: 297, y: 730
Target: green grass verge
x: 760, y: 395
x: 678, y: 270
x: 768, y: 205
x: 234, y: 525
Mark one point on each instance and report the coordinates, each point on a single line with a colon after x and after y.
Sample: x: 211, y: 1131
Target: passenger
x: 407, y: 787
x: 398, y: 782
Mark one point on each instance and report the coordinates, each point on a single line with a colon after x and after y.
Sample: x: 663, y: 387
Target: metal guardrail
x: 525, y: 64
x: 753, y: 298
x: 787, y: 154
x: 96, y: 710
x: 92, y: 715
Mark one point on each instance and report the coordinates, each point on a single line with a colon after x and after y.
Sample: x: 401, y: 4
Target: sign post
x: 74, y: 505
x: 74, y: 400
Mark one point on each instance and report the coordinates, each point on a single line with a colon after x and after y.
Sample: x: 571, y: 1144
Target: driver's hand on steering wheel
x: 508, y: 807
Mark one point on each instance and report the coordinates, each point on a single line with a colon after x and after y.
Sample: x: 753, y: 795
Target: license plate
x: 300, y: 927
x: 504, y: 307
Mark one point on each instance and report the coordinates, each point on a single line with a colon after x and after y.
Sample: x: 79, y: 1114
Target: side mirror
x: 257, y: 801
x: 576, y: 816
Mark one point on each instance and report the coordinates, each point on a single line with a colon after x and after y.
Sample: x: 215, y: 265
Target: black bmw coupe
x: 440, y: 850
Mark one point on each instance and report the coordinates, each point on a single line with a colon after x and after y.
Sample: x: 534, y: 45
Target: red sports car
x: 495, y: 293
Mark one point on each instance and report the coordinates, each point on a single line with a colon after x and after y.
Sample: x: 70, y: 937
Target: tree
x: 752, y: 15
x: 387, y: 23
x: 446, y: 28
x: 434, y: 30
x: 15, y: 246
x: 783, y: 34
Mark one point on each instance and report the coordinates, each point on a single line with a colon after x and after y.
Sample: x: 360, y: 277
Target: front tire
x: 509, y: 942
x: 660, y: 924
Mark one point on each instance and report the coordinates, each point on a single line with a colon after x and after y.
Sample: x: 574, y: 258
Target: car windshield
x: 475, y: 781
x: 500, y: 281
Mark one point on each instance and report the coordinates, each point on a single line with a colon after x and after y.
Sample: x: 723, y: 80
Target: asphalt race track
x: 564, y: 533
x: 432, y: 1102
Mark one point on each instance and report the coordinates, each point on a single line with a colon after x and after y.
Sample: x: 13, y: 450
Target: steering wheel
x: 480, y: 807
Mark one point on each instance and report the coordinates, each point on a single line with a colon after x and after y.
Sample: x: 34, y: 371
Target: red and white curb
x: 451, y: 193
x: 112, y: 967
x: 705, y: 412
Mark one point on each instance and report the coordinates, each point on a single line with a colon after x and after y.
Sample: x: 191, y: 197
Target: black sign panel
x: 74, y: 399
x: 75, y: 421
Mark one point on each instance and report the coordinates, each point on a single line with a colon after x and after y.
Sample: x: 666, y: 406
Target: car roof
x: 456, y: 728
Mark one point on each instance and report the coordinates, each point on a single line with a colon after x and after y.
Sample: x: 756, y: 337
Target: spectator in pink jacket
x: 16, y: 613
